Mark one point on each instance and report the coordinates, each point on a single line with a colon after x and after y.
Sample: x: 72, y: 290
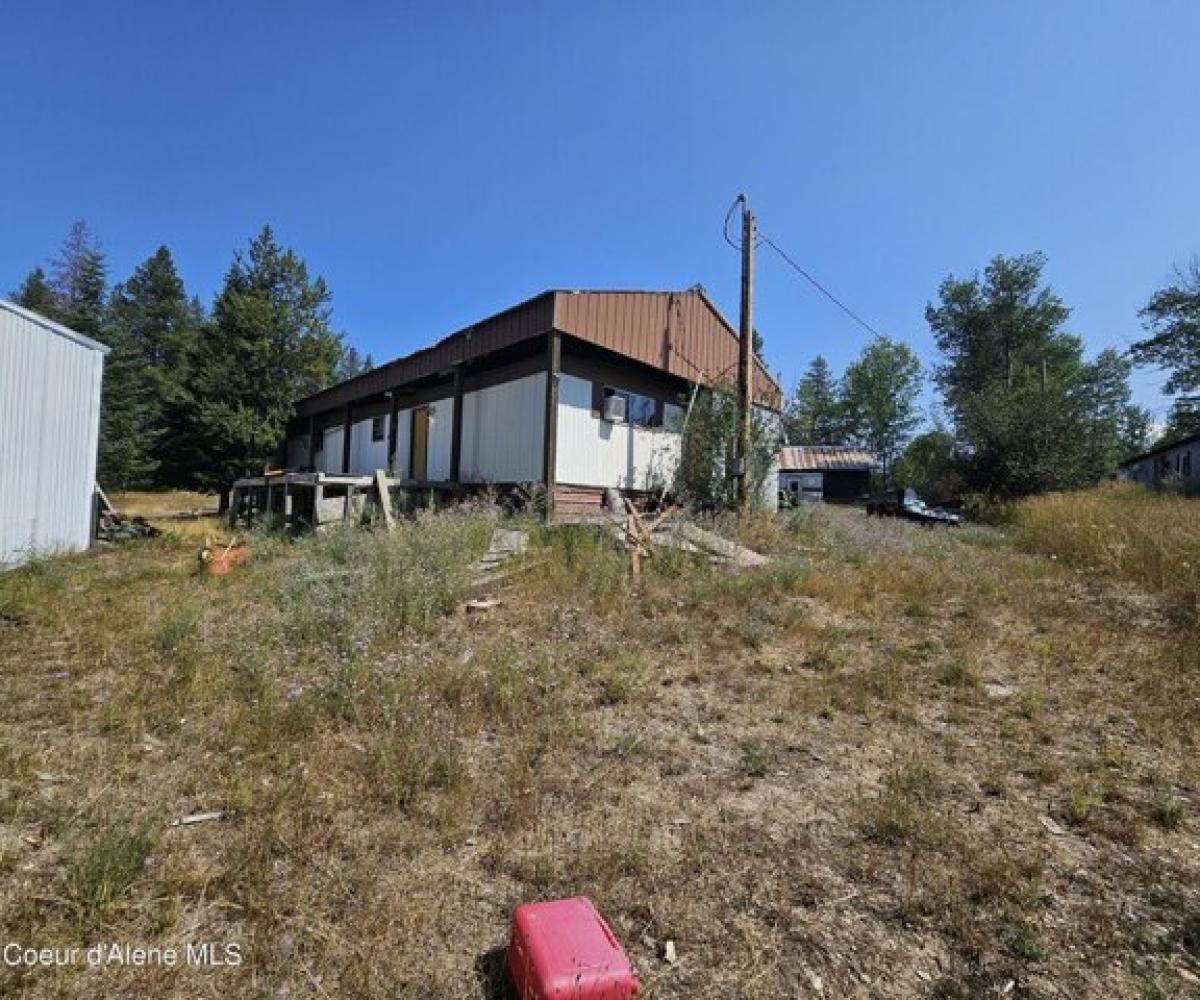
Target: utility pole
x: 745, y: 354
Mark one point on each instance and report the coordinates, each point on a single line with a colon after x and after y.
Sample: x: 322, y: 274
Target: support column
x: 393, y: 432
x: 550, y: 427
x: 347, y: 427
x: 456, y: 429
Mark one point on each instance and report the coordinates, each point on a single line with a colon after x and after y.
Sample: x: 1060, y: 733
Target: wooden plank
x: 385, y: 499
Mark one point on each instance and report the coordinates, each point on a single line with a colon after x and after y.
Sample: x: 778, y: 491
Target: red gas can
x: 564, y: 949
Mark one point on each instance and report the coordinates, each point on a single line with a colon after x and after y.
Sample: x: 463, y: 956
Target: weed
x: 1082, y: 800
x: 105, y: 866
x: 1168, y: 811
x: 756, y: 759
x: 958, y: 674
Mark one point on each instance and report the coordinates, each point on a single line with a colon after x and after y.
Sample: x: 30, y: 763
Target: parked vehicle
x: 906, y: 504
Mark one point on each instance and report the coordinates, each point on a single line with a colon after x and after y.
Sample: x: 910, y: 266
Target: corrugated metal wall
x: 49, y: 427
x: 680, y: 332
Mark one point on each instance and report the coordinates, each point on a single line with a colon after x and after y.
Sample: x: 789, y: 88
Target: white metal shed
x: 49, y: 432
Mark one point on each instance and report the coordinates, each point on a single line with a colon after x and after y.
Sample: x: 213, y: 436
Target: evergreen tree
x: 352, y: 363
x: 813, y: 414
x: 269, y: 343
x: 79, y: 282
x: 35, y: 293
x: 879, y: 399
x: 159, y: 328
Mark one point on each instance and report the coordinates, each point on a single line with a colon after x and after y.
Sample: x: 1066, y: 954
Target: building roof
x: 825, y: 458
x: 1160, y: 449
x: 679, y: 332
x: 49, y: 324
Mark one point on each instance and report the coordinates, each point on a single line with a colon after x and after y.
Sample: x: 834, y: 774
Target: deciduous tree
x: 1172, y: 320
x: 879, y: 399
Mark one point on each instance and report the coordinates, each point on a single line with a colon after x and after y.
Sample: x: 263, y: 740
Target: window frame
x: 656, y: 417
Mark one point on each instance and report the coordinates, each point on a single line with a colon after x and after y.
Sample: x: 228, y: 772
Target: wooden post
x: 393, y: 432
x: 456, y: 429
x: 550, y: 427
x: 347, y: 429
x: 745, y: 355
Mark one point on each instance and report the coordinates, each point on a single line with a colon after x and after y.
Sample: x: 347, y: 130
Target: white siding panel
x: 503, y: 426
x: 441, y: 422
x: 329, y: 458
x: 366, y: 455
x: 593, y: 452
x: 49, y: 427
x: 403, y: 442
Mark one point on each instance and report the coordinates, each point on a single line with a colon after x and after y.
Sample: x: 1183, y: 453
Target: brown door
x: 418, y: 465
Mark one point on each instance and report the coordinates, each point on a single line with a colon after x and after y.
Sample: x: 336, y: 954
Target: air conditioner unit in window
x: 614, y: 409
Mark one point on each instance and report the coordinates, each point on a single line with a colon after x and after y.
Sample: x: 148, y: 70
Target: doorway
x: 419, y: 454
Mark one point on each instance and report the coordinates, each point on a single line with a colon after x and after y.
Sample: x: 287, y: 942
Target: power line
x: 818, y: 286
x: 739, y: 200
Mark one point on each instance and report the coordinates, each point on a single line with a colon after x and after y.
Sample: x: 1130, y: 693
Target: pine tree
x: 352, y: 363
x: 35, y: 293
x: 79, y: 283
x: 812, y: 416
x: 159, y: 327
x: 268, y: 344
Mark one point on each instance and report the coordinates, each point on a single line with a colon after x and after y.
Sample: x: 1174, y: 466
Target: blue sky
x: 437, y: 162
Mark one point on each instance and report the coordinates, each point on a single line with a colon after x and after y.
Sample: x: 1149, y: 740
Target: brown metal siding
x: 681, y: 332
x: 531, y: 318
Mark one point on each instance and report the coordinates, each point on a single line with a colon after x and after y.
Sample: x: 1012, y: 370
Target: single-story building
x: 576, y: 391
x: 50, y: 414
x: 816, y: 473
x: 1175, y: 464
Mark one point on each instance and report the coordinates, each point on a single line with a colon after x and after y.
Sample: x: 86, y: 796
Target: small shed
x: 50, y: 414
x: 818, y: 473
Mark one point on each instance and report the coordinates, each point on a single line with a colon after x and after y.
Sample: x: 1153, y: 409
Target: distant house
x: 1175, y: 464
x: 817, y: 473
x: 577, y: 391
x: 50, y: 412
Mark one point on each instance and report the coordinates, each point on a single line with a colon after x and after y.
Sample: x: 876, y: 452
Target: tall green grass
x: 1126, y: 531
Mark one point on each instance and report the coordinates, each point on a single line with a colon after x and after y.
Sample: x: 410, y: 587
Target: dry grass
x: 893, y: 762
x: 1151, y: 538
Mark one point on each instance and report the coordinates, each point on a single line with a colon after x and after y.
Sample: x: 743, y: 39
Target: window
x: 640, y: 411
x: 1186, y: 467
x: 378, y: 428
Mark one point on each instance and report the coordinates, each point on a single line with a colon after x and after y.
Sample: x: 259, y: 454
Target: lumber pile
x: 640, y: 534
